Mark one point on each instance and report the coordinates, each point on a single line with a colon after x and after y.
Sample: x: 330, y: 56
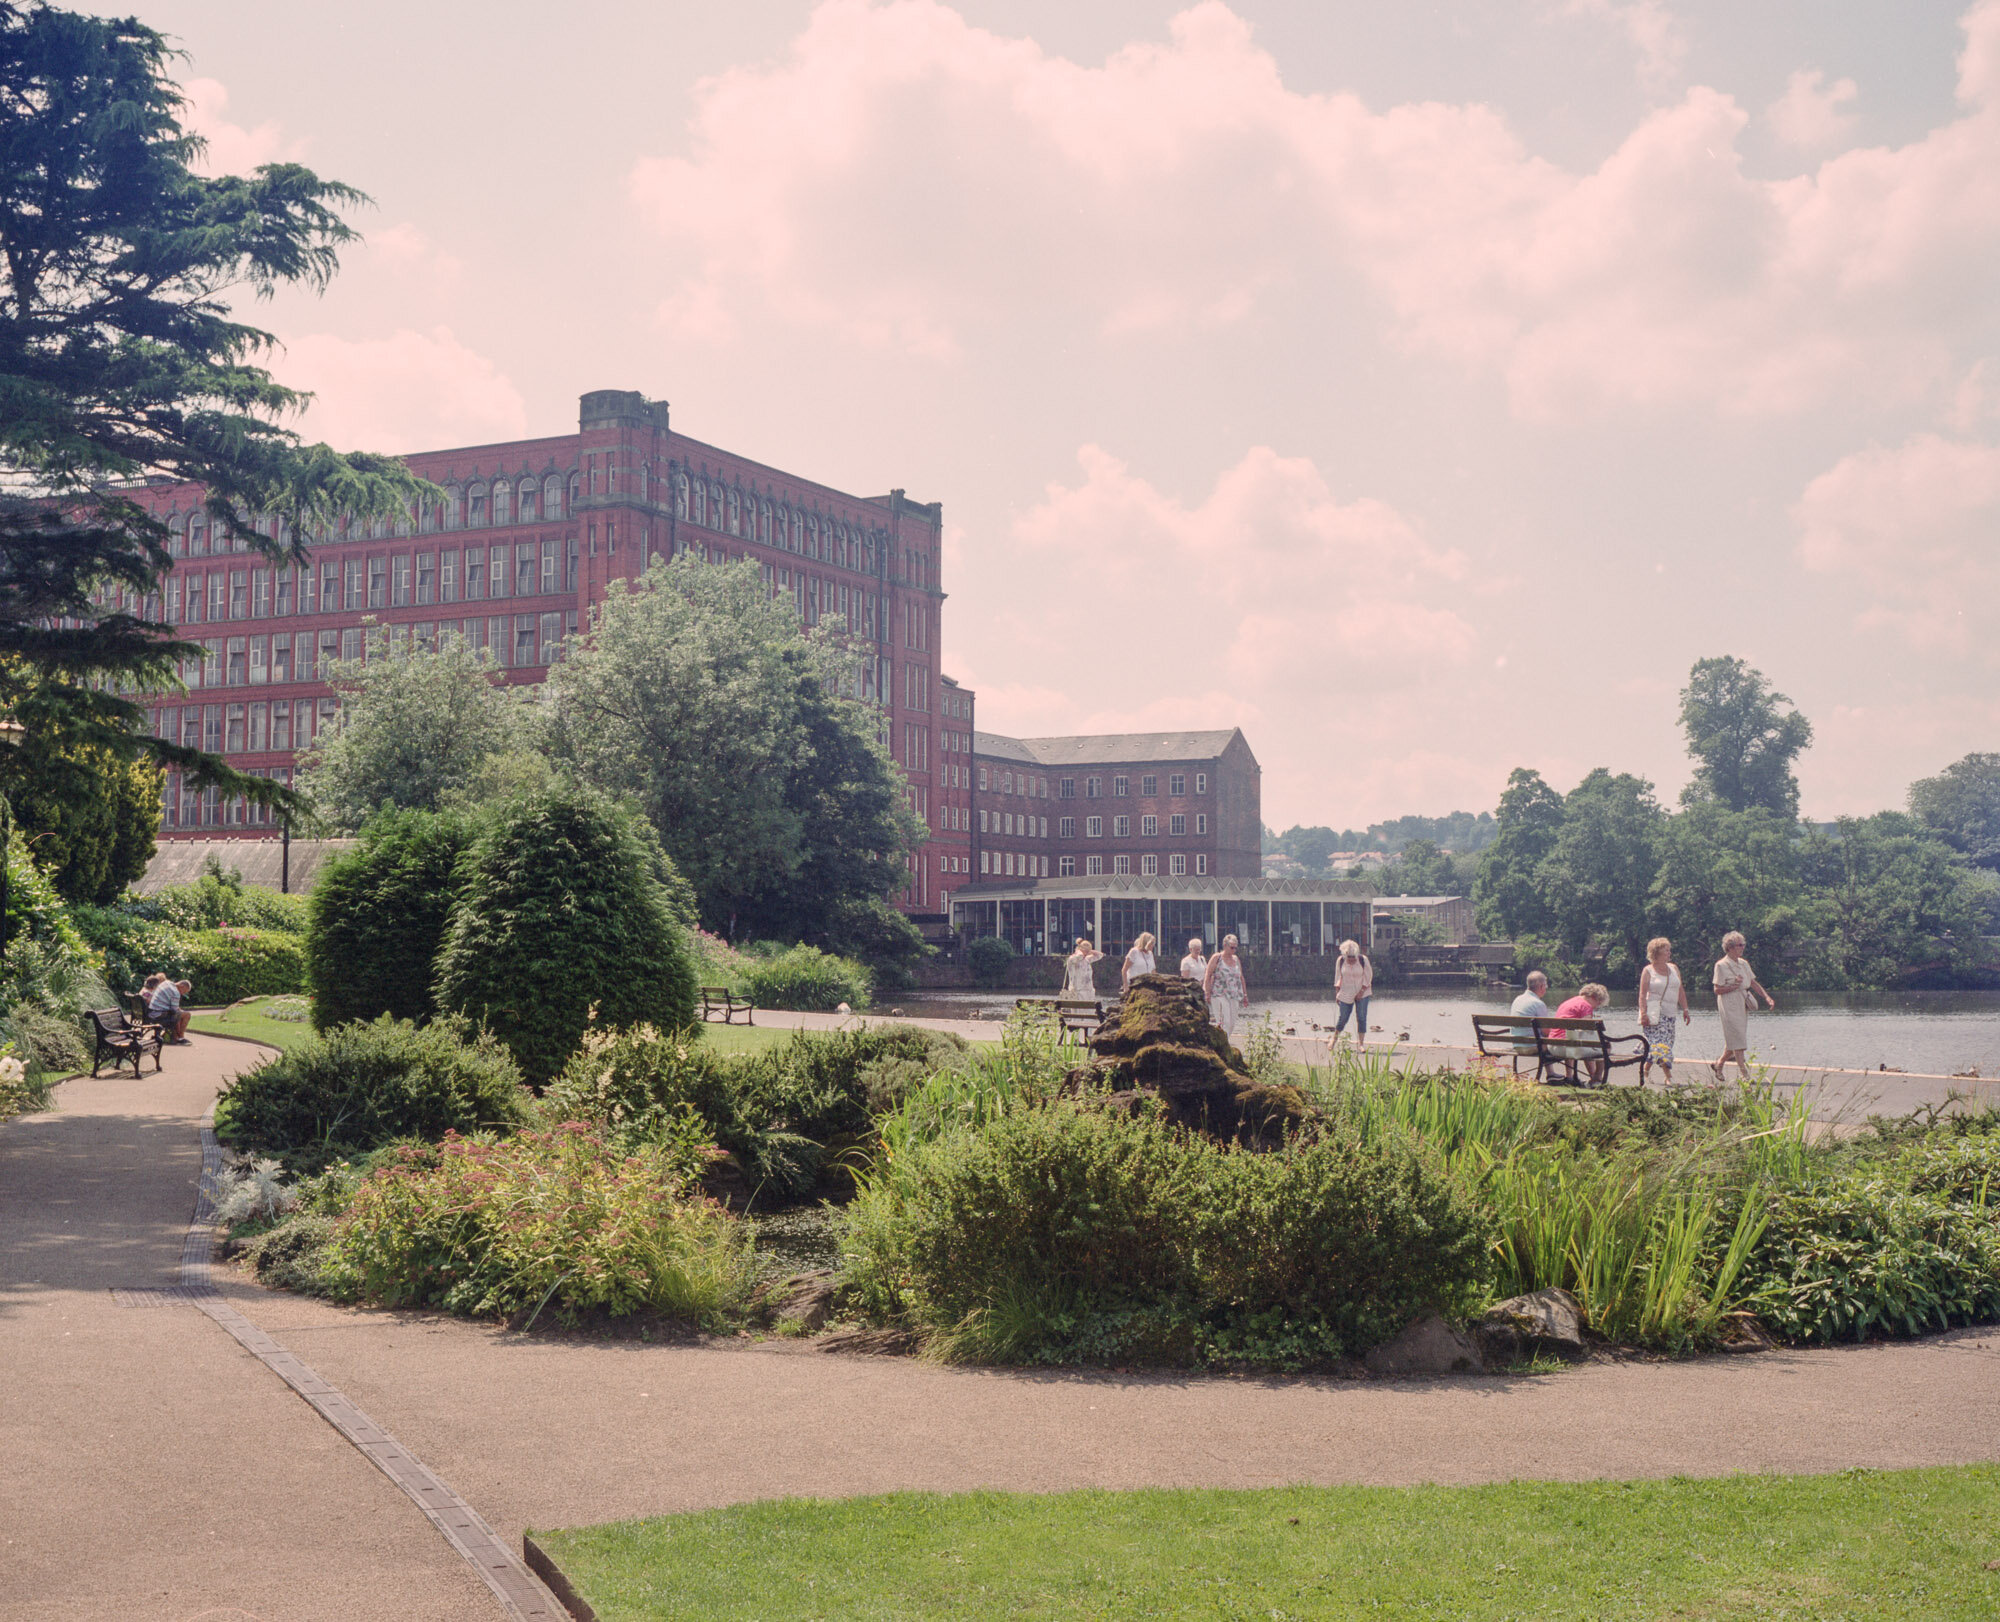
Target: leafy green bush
x: 786, y: 1114
x: 220, y: 900
x: 563, y: 913
x: 132, y: 947
x: 55, y: 1043
x: 1066, y: 1235
x: 359, y: 1086
x: 552, y: 1220
x: 988, y: 958
x: 807, y: 979
x: 378, y: 915
x: 224, y: 965
x: 1863, y: 1257
x: 1960, y: 1170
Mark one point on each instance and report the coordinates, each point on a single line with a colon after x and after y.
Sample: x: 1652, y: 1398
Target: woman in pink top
x: 1584, y: 1005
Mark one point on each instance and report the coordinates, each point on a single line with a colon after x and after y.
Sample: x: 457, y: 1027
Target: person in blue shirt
x: 1530, y: 1002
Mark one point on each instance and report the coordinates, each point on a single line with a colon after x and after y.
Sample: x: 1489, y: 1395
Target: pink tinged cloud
x: 1918, y: 525
x: 232, y: 148
x: 905, y: 180
x: 1811, y: 114
x: 410, y: 391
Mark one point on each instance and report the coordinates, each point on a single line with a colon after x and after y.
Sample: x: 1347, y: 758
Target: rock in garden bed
x: 1159, y: 1042
x: 1546, y: 1323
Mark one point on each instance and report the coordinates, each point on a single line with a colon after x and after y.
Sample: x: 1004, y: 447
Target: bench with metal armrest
x: 1079, y: 1020
x: 1555, y: 1044
x: 721, y: 1000
x: 122, y: 1037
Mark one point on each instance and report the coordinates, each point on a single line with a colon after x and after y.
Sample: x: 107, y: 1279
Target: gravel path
x: 152, y: 1469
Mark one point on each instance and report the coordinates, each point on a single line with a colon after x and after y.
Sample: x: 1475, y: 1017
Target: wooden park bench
x: 721, y: 1000
x: 119, y: 1035
x: 1079, y: 1020
x: 1556, y: 1045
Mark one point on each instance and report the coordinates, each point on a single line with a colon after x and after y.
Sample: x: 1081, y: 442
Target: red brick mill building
x: 528, y: 539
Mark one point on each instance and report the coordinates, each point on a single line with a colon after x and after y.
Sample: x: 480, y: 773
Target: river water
x: 1937, y: 1033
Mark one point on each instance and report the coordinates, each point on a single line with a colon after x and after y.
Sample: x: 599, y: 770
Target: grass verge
x: 251, y: 1018
x: 1901, y: 1544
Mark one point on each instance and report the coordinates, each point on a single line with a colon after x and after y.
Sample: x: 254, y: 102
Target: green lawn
x: 1904, y: 1544
x: 248, y: 1018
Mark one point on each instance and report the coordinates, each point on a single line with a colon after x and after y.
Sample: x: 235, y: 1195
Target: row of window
x: 385, y: 580
x: 714, y: 505
x: 479, y: 505
x: 995, y: 780
x: 515, y: 641
x: 182, y: 805
x: 279, y: 725
x: 1007, y: 822
x: 1009, y: 864
x: 1121, y: 827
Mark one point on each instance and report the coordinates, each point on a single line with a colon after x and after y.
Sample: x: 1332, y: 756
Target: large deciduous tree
x: 1505, y: 888
x: 1743, y: 738
x: 695, y: 694
x: 416, y: 729
x: 1596, y: 876
x: 1892, y: 904
x: 120, y: 361
x: 1961, y: 805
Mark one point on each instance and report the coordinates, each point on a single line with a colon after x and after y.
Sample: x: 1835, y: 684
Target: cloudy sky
x: 1421, y: 388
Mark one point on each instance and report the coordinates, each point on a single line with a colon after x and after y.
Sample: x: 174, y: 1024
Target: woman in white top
x: 1078, y: 981
x: 1736, y: 989
x: 1195, y: 965
x: 1223, y: 985
x: 1353, y: 985
x: 1138, y: 961
x: 1660, y: 993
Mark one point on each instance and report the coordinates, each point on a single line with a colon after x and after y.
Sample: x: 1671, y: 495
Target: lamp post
x: 11, y: 734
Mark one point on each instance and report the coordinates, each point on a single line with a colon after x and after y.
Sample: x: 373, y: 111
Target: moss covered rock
x: 1159, y: 1040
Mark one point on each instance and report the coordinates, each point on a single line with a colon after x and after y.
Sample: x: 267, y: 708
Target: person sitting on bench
x: 1586, y: 1004
x: 1530, y: 1003
x: 163, y: 1008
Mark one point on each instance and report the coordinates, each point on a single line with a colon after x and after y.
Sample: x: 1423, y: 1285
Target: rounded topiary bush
x: 561, y: 914
x: 379, y: 915
x: 807, y: 979
x: 226, y: 964
x: 988, y: 958
x: 363, y: 1085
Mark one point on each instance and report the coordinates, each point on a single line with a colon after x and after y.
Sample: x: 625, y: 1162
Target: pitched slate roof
x: 1106, y: 748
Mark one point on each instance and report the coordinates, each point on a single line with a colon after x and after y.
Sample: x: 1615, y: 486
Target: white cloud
x: 1270, y: 604
x: 904, y: 181
x: 232, y: 149
x: 1654, y: 33
x: 1812, y: 114
x: 1918, y: 526
x: 410, y: 391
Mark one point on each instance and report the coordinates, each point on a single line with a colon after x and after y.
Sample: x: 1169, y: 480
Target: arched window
x: 427, y: 518
x: 503, y: 502
x: 735, y: 513
x: 680, y: 494
x: 764, y: 522
x: 552, y: 496
x: 475, y: 506
x: 176, y: 535
x: 448, y: 510
x: 403, y: 525
x: 701, y: 504
x: 575, y: 490
x: 531, y: 492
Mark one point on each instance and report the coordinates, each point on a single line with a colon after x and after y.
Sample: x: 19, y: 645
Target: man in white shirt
x: 164, y: 1009
x: 1530, y: 1001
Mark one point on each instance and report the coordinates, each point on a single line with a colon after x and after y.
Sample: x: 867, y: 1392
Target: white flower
x: 12, y: 1070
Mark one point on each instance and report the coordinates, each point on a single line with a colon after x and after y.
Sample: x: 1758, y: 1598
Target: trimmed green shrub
x: 378, y: 916
x: 561, y: 915
x: 1072, y: 1235
x: 807, y: 979
x: 556, y: 1221
x: 360, y: 1086
x: 224, y: 965
x: 988, y: 958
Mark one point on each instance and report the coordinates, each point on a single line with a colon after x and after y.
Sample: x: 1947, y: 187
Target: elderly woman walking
x: 1138, y: 961
x: 1195, y: 965
x: 1661, y: 994
x: 1736, y: 989
x: 1353, y: 985
x: 1224, y: 987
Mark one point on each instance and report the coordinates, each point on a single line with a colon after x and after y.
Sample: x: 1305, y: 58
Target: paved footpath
x: 151, y: 1469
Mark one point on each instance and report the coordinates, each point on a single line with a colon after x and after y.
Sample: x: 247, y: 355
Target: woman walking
x: 1736, y: 991
x: 1078, y: 982
x: 1223, y: 985
x: 1660, y: 993
x: 1195, y: 965
x: 1138, y: 961
x: 1353, y: 985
